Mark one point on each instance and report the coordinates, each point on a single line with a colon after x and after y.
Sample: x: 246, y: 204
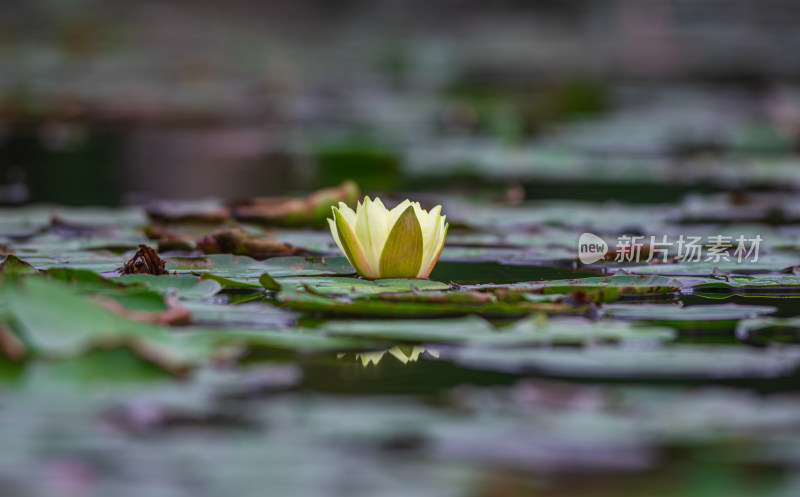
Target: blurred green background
x: 111, y: 102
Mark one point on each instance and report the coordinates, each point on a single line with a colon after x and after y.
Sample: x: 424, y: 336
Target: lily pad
x: 186, y: 287
x: 765, y: 263
x: 319, y: 304
x: 703, y: 317
x: 678, y: 362
x: 234, y: 266
x: 357, y: 286
x: 474, y: 330
x: 599, y: 289
x: 755, y: 284
x: 55, y: 322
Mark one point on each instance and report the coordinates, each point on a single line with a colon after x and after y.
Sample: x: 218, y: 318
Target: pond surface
x: 514, y: 369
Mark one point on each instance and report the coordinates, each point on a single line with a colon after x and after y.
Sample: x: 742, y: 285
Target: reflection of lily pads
x: 769, y: 330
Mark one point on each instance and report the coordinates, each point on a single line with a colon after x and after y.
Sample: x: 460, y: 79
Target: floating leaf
x: 317, y: 303
x: 705, y: 317
x: 678, y: 362
x: 358, y: 286
x: 185, y: 286
x: 55, y: 322
x: 239, y: 266
x: 13, y: 264
x: 474, y: 330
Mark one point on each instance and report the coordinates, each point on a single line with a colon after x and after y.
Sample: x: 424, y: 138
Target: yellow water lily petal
x: 351, y: 247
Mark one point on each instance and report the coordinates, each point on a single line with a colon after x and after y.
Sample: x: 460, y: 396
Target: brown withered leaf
x: 11, y: 347
x: 169, y: 213
x: 290, y: 211
x: 168, y: 239
x: 144, y: 261
x: 70, y: 229
x: 238, y: 242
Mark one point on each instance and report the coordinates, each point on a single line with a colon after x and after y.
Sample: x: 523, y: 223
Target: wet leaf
x: 55, y: 322
x: 186, y: 287
x: 702, y: 317
x: 678, y: 362
x: 311, y: 303
x: 13, y: 264
x: 357, y: 286
x: 235, y: 266
x: 526, y: 332
x: 598, y: 289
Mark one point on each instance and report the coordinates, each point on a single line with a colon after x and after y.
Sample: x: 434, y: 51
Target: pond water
x: 514, y: 369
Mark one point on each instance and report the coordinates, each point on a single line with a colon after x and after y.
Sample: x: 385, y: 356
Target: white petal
x: 363, y: 230
x: 395, y: 213
x: 335, y: 234
x: 429, y: 247
x: 348, y: 214
x: 378, y: 228
x: 432, y: 256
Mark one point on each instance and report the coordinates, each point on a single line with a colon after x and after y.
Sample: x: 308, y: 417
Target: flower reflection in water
x: 404, y: 354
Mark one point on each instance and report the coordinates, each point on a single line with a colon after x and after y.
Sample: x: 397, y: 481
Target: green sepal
x: 402, y: 254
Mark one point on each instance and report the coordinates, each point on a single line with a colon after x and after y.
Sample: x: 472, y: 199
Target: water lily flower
x: 404, y: 242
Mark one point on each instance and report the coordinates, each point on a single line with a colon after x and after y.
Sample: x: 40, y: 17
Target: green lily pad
x: 317, y: 303
x: 257, y: 315
x: 705, y: 317
x: 55, y: 322
x: 13, y: 264
x: 293, y: 340
x: 106, y: 365
x: 186, y: 287
x: 357, y: 286
x: 769, y: 262
x: 238, y: 283
x: 677, y: 362
x: 755, y: 284
x: 238, y: 266
x: 99, y: 262
x: 472, y: 329
x: 599, y: 289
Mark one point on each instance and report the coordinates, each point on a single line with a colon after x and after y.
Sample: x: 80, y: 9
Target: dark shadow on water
x: 787, y: 306
x: 473, y: 273
x: 427, y: 376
